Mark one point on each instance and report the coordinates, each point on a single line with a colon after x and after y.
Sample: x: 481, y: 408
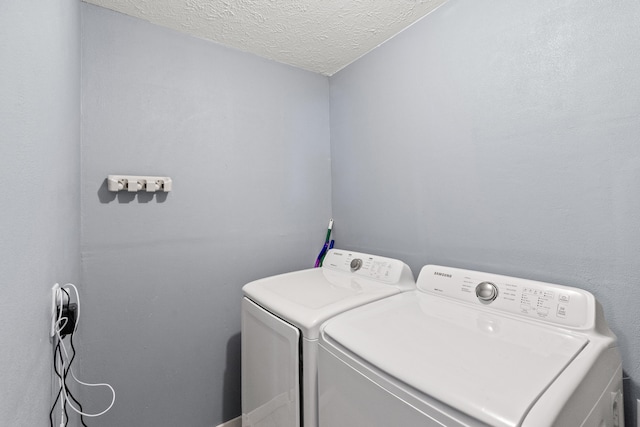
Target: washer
x: 471, y: 349
x: 281, y: 318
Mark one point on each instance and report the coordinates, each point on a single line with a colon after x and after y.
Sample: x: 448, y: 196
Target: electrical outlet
x: 56, y: 294
x: 54, y: 304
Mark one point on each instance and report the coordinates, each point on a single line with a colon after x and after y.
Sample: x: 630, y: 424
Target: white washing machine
x: 281, y: 318
x: 471, y: 349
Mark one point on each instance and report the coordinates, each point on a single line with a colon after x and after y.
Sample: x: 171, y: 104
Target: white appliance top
x: 491, y: 360
x: 347, y: 279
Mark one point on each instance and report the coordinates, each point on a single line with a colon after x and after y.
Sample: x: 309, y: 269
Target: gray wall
x: 501, y: 136
x: 39, y: 182
x: 507, y: 143
x: 245, y: 141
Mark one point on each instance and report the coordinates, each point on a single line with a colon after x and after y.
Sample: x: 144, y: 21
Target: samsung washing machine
x: 281, y: 318
x: 471, y: 349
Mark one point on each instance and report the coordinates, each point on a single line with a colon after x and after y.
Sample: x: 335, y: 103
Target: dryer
x: 281, y: 318
x: 471, y: 349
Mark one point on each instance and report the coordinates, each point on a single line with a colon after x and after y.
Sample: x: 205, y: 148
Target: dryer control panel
x: 387, y: 270
x: 561, y: 305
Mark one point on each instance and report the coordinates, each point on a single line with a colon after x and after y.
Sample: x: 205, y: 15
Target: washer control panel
x: 546, y: 302
x: 387, y: 270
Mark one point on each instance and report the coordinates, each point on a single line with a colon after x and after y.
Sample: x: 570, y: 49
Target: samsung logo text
x: 437, y: 273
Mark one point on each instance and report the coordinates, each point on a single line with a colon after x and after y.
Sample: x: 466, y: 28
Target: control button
x: 564, y: 298
x: 562, y: 310
x: 543, y: 311
x: 356, y: 264
x: 486, y: 292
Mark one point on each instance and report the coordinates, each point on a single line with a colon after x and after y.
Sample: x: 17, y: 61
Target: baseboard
x: 236, y: 422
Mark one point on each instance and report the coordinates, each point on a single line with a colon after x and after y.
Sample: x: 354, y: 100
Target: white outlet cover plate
x: 54, y: 293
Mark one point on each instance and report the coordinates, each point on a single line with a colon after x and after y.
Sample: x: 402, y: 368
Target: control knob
x: 356, y: 264
x: 486, y: 292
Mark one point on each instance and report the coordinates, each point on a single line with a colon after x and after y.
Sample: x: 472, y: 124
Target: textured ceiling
x: 318, y: 35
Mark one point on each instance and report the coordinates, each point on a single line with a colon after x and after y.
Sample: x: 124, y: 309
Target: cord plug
x: 68, y: 312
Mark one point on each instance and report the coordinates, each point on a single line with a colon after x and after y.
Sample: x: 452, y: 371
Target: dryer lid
x: 309, y: 297
x: 491, y: 367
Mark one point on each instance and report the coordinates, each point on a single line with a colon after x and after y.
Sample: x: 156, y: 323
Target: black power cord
x: 66, y: 372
